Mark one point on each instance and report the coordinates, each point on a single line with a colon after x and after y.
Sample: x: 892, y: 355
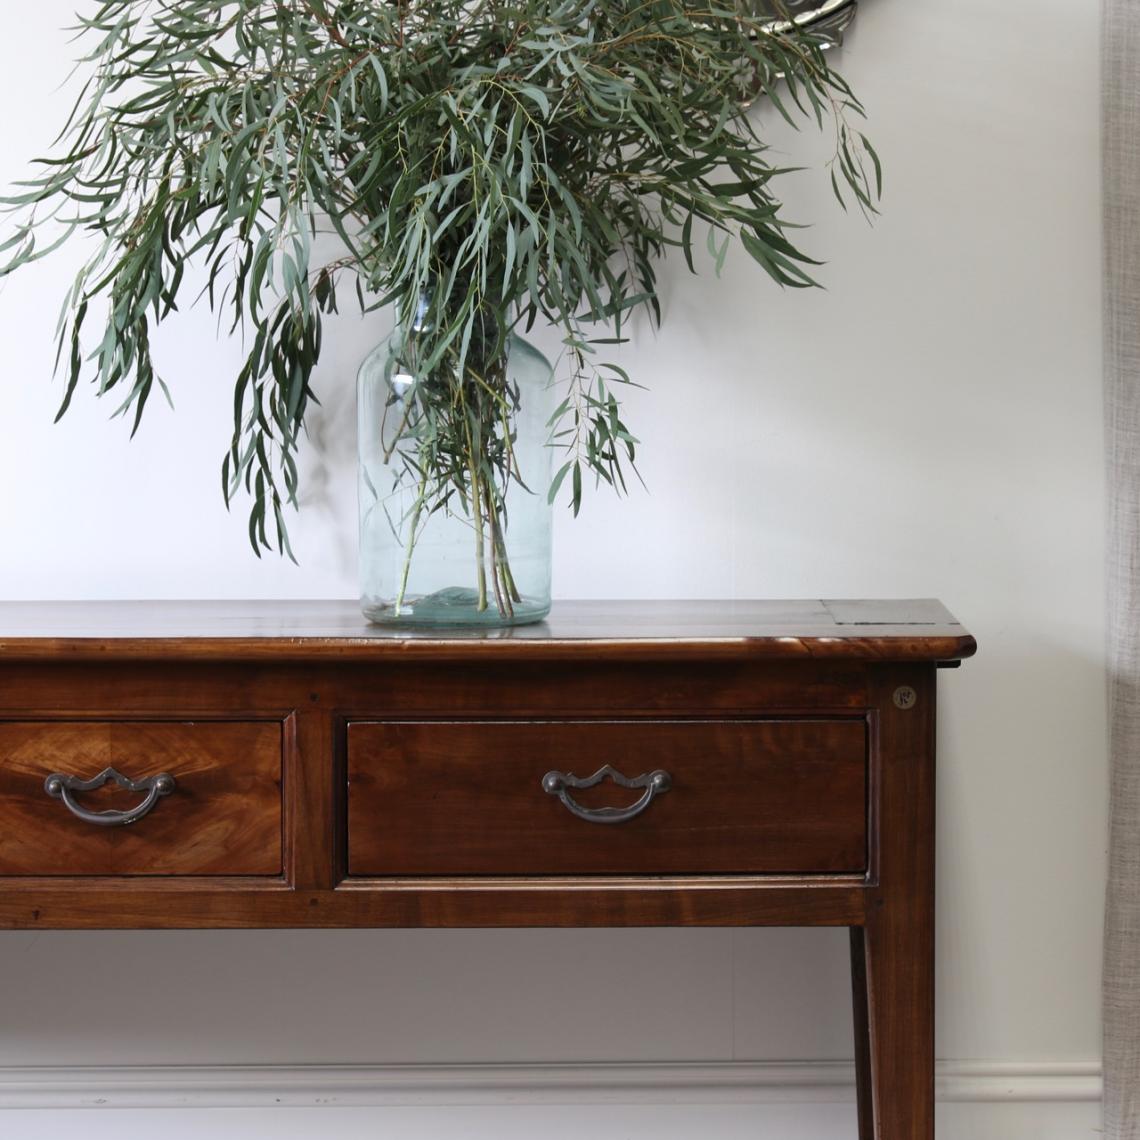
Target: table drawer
x: 499, y: 798
x: 223, y: 816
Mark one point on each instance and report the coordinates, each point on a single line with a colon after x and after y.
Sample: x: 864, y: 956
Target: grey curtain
x: 1121, y: 154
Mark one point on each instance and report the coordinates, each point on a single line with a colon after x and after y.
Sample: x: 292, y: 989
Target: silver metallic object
x: 828, y: 19
x: 654, y: 783
x: 61, y: 787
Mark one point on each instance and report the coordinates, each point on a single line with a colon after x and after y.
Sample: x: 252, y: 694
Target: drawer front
x: 223, y: 816
x: 747, y: 797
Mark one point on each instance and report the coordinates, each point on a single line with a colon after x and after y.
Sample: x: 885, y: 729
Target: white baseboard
x: 269, y: 1086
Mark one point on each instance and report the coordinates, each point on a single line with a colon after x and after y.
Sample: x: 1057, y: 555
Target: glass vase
x: 454, y: 532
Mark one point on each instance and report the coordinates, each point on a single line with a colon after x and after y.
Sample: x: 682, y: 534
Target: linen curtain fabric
x: 1120, y: 48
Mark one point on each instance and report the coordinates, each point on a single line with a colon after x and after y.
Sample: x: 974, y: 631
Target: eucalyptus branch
x: 510, y: 162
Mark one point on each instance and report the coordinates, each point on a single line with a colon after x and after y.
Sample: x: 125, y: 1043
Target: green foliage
x: 512, y: 160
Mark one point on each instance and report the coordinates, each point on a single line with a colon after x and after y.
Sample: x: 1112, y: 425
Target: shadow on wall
x: 387, y: 997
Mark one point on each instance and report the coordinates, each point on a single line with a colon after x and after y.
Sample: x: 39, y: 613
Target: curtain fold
x: 1120, y: 47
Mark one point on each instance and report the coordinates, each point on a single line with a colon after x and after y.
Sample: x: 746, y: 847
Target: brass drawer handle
x: 655, y: 782
x: 61, y: 787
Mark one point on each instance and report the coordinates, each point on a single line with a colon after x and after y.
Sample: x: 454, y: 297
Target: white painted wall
x: 929, y: 425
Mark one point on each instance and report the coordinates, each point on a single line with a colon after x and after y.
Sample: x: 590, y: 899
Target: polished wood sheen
x: 336, y: 774
x: 223, y: 818
x: 319, y: 631
x: 746, y: 797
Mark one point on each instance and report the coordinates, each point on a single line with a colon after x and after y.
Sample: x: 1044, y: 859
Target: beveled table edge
x: 307, y: 631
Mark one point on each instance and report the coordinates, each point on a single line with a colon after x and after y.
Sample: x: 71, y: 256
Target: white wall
x: 929, y: 425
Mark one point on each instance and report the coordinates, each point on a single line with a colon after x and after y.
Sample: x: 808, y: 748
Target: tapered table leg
x: 862, y: 1035
x: 894, y: 952
x: 895, y: 1062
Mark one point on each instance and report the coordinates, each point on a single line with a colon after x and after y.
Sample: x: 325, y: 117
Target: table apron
x: 39, y: 905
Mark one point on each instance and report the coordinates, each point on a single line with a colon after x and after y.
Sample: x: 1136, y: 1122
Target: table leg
x: 894, y: 952
x: 862, y: 1035
x: 894, y: 1053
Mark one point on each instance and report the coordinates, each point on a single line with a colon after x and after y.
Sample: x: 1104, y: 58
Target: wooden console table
x: 623, y: 764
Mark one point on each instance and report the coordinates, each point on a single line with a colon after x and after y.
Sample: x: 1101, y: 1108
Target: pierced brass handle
x: 61, y: 787
x: 654, y: 783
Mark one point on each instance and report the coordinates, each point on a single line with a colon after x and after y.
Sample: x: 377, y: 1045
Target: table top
x: 881, y: 630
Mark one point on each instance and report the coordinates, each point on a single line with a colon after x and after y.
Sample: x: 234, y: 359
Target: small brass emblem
x: 905, y: 697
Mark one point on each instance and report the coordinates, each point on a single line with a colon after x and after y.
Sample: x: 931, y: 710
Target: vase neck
x: 485, y: 340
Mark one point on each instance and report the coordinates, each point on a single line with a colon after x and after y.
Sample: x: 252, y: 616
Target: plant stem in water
x: 480, y: 559
x: 417, y: 510
x: 504, y: 562
x: 500, y: 571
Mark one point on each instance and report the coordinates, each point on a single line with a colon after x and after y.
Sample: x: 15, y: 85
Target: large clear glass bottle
x: 439, y: 555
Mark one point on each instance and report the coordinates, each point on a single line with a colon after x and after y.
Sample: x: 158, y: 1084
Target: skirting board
x: 266, y: 1086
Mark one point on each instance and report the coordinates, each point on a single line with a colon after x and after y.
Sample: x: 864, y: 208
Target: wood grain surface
x: 909, y: 630
x: 747, y: 797
x: 223, y: 818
